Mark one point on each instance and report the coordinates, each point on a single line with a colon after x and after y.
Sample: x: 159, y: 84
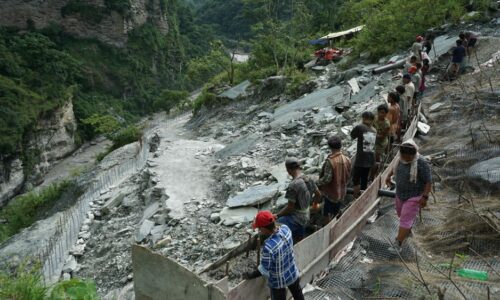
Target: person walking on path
x: 413, y: 185
x: 383, y: 128
x: 394, y: 116
x: 408, y: 97
x: 277, y: 259
x: 471, y: 43
x: 458, y: 54
x: 403, y: 107
x: 416, y: 48
x: 299, y: 194
x: 333, y: 179
x: 364, y: 162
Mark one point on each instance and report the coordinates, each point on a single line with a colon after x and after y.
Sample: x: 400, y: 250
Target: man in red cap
x: 277, y: 260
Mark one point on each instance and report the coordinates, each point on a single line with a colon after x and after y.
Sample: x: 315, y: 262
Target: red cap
x: 412, y: 70
x: 263, y: 219
x: 419, y: 38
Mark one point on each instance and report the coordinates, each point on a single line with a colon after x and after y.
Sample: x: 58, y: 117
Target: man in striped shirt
x: 277, y: 260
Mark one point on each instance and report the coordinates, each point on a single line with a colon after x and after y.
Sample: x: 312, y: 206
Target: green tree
x: 103, y: 124
x: 281, y: 33
x: 201, y: 69
x: 169, y: 99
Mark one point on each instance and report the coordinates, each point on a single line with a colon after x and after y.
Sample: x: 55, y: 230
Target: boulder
x: 144, y: 230
x: 77, y: 250
x: 488, y: 170
x: 233, y: 216
x: 271, y: 87
x: 236, y: 92
x: 150, y: 211
x: 230, y: 243
x: 215, y: 217
x: 254, y: 195
x: 110, y: 204
x: 247, y: 164
x: 265, y: 115
x: 70, y: 265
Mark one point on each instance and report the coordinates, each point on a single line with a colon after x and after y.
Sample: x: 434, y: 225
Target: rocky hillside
x: 109, y: 21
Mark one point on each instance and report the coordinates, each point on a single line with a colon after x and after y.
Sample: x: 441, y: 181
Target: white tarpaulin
x: 342, y: 33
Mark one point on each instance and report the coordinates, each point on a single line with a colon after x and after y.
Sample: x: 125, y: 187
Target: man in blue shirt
x: 458, y: 54
x: 277, y: 260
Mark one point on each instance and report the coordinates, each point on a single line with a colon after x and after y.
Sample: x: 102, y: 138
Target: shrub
x: 393, y: 24
x: 126, y: 136
x: 121, y: 6
x: 170, y: 99
x: 102, y: 124
x: 27, y: 283
x: 24, y: 284
x: 206, y: 99
x: 89, y: 12
x: 75, y: 289
x: 297, y: 80
x: 23, y: 210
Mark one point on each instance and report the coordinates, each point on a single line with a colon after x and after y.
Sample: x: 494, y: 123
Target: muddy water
x: 183, y: 165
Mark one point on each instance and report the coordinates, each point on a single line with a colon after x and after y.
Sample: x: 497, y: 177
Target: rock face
x: 234, y: 216
x: 488, y: 170
x: 99, y: 21
x: 11, y: 179
x: 53, y: 138
x: 254, y: 195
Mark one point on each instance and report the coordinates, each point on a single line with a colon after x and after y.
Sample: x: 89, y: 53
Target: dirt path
x: 182, y: 165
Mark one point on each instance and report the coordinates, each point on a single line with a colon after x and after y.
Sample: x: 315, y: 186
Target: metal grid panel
x: 370, y: 270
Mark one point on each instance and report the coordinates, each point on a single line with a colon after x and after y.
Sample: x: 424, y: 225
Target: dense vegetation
x: 26, y: 283
x: 42, y: 69
x: 22, y: 211
x: 277, y: 32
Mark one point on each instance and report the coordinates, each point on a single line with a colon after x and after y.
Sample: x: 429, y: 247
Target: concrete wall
x: 157, y: 277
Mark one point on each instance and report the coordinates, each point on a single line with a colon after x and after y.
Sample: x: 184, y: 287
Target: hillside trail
x: 182, y: 164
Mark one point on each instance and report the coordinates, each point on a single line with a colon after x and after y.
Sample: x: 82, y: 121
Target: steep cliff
x: 11, y: 179
x: 109, y: 21
x: 51, y: 139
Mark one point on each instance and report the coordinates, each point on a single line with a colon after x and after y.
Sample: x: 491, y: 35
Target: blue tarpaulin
x: 318, y: 42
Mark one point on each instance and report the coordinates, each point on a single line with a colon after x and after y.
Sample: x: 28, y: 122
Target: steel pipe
x: 389, y: 67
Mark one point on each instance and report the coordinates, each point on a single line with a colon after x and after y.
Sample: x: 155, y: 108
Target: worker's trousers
x: 295, y: 289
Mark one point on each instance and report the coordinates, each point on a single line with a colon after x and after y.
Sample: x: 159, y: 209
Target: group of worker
x: 375, y: 135
x: 419, y: 62
x: 465, y: 46
x: 288, y: 226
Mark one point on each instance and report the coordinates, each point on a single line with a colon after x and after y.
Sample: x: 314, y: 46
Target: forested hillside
x: 42, y: 68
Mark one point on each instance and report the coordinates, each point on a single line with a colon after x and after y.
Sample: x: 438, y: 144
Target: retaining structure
x: 53, y: 255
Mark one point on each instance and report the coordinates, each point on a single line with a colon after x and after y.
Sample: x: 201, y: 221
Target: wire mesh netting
x: 370, y: 270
